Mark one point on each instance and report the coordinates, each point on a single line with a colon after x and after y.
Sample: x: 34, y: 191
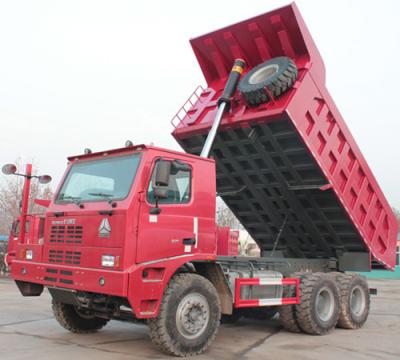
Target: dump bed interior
x: 289, y: 170
x: 268, y: 179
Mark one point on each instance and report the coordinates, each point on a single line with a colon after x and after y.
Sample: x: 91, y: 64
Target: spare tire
x: 277, y: 75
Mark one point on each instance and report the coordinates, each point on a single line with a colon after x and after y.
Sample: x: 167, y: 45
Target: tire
x: 287, y: 313
x: 260, y: 313
x: 187, y: 295
x: 354, y: 301
x: 318, y: 311
x: 276, y: 75
x: 70, y: 319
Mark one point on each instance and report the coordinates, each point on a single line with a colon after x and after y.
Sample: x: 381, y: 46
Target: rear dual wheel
x: 327, y: 300
x: 318, y: 311
x: 354, y: 301
x: 287, y: 313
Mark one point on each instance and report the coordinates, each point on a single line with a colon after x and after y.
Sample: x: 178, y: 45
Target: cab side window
x: 179, y: 186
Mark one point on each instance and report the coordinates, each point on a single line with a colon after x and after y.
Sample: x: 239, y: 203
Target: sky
x: 77, y: 74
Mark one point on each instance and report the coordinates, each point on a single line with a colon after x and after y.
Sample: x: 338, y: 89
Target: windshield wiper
x: 68, y: 197
x: 106, y: 196
x: 74, y: 199
x: 101, y: 194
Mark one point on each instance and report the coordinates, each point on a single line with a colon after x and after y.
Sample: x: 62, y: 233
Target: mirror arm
x: 155, y: 210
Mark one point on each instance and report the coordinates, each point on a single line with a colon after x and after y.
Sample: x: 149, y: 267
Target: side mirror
x: 163, y: 170
x: 161, y: 179
x: 160, y: 183
x: 44, y: 179
x: 9, y: 169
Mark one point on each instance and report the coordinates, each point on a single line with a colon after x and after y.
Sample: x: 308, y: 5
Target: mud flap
x: 64, y: 296
x: 29, y: 289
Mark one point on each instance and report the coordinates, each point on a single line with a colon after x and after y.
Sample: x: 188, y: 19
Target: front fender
x: 147, y: 282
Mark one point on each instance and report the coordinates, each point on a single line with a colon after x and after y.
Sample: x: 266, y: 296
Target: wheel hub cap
x: 325, y: 304
x: 192, y: 315
x: 357, y: 301
x: 263, y: 74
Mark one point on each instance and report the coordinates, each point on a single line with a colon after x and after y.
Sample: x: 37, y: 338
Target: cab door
x: 173, y: 231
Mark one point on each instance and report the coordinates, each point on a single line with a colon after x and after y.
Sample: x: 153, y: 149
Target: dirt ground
x: 28, y: 331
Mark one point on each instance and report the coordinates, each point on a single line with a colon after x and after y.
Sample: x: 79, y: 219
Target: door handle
x: 189, y: 241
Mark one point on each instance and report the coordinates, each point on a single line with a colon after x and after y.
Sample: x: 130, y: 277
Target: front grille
x: 56, y: 256
x: 67, y: 257
x: 69, y: 234
x: 73, y: 257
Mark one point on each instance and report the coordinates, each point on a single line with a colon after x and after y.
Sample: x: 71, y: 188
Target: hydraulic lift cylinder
x: 224, y: 102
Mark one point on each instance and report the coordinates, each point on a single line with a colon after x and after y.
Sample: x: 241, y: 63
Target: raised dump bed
x: 289, y: 169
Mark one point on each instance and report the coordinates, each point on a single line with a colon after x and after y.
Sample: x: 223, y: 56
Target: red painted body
x: 308, y: 106
x: 227, y: 241
x: 240, y: 303
x: 72, y: 241
x: 33, y: 236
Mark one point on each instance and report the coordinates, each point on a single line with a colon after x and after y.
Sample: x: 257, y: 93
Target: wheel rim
x: 325, y: 303
x: 192, y: 315
x: 263, y: 74
x: 84, y: 313
x: 357, y: 301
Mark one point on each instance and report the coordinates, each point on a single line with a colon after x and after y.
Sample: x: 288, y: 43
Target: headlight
x: 108, y: 260
x: 28, y: 254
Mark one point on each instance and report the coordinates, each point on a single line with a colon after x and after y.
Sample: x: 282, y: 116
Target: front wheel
x: 76, y: 320
x: 188, y: 318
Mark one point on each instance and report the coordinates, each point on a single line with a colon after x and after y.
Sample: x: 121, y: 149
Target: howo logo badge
x: 104, y: 228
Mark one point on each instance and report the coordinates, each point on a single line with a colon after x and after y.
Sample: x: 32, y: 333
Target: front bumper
x: 100, y: 281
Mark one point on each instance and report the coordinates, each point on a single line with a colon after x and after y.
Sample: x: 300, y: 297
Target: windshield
x: 99, y: 180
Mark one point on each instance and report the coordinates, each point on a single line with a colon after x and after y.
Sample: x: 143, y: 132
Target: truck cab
x: 120, y: 230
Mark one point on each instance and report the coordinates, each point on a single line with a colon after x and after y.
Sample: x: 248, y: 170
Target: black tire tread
x: 287, y: 313
x: 285, y: 81
x: 345, y: 319
x: 157, y: 330
x: 67, y: 317
x: 304, y: 310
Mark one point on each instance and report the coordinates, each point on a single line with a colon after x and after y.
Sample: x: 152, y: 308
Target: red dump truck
x: 130, y: 233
